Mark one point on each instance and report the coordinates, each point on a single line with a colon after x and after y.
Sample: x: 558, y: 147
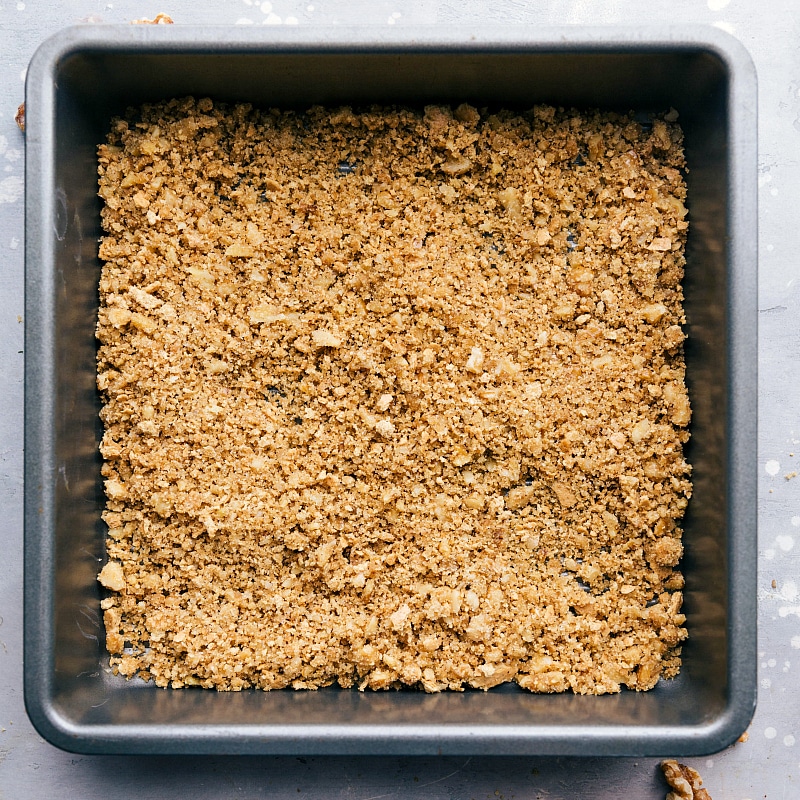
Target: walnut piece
x: 685, y: 781
x: 112, y: 576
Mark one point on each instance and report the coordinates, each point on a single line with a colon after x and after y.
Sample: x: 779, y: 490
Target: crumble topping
x: 393, y: 396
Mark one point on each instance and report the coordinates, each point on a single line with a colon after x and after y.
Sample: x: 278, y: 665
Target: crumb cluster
x: 392, y: 397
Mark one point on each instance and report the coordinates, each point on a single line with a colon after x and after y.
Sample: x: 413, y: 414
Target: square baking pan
x: 78, y: 80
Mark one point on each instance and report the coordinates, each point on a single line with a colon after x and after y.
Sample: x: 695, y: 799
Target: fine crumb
x: 19, y: 117
x: 789, y: 475
x: 685, y: 781
x: 743, y: 738
x: 393, y: 397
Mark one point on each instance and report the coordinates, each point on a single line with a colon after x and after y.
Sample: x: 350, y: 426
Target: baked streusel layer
x: 392, y: 397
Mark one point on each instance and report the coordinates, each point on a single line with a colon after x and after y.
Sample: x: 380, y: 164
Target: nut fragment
x: 384, y: 401
x: 159, y: 19
x: 324, y: 338
x: 512, y: 202
x: 112, y: 576
x: 685, y: 781
x: 458, y: 165
x: 653, y: 313
x: 238, y: 250
x: 519, y: 496
x: 475, y: 360
x: 660, y: 244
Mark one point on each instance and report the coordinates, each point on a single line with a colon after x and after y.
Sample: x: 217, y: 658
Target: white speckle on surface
x: 786, y: 543
x: 770, y: 248
x: 291, y: 21
x: 789, y: 740
x: 772, y: 467
x: 717, y: 5
x: 266, y: 8
x: 23, y: 74
x: 11, y: 189
x: 769, y: 554
x: 789, y: 591
x: 796, y: 521
x: 272, y: 19
x: 20, y: 6
x: 765, y: 683
x: 13, y: 154
x: 764, y: 179
x: 725, y: 26
x: 774, y: 191
x: 14, y: 243
x: 248, y: 2
x: 795, y: 642
x: 310, y: 9
x: 391, y: 21
x: 772, y: 662
x: 244, y: 21
x: 785, y: 611
x: 770, y: 732
x: 710, y: 763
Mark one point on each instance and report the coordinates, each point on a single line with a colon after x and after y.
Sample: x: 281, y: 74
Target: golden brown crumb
x: 112, y: 576
x: 159, y: 19
x: 393, y: 397
x: 686, y: 782
x: 19, y: 117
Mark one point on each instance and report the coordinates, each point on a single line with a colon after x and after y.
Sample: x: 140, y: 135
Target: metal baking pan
x: 83, y: 76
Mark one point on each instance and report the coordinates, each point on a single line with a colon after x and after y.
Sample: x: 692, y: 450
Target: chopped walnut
x: 475, y: 360
x: 685, y: 781
x: 392, y: 397
x: 323, y: 338
x: 112, y: 576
